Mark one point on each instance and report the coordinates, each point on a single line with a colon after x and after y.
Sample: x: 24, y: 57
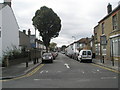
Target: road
x: 65, y: 73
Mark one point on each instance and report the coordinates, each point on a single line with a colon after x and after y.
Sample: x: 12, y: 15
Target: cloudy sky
x: 78, y: 17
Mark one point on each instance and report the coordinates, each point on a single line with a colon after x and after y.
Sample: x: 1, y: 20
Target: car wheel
x: 51, y: 61
x: 42, y: 61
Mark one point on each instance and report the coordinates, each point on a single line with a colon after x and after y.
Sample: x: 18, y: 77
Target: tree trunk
x: 46, y: 49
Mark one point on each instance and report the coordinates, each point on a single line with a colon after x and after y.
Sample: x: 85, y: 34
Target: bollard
x: 26, y: 63
x: 103, y: 59
x: 7, y: 62
x: 37, y: 60
x: 112, y: 62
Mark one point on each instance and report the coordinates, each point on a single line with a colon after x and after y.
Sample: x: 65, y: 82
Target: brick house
x: 107, y: 35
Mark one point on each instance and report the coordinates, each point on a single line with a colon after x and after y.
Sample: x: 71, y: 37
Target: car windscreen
x: 84, y: 53
x: 89, y: 52
x: 47, y: 54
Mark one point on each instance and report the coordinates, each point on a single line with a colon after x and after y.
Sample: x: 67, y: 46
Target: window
x: 97, y: 49
x: 115, y: 47
x: 114, y: 22
x: 89, y: 53
x: 103, y: 49
x: 103, y: 26
x: 103, y: 40
x: 84, y: 53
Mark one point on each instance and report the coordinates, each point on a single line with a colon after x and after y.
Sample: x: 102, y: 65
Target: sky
x: 78, y: 17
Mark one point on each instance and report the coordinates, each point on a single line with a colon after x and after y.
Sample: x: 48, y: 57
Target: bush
x: 13, y: 54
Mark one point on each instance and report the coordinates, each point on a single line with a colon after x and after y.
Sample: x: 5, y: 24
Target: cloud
x: 79, y: 17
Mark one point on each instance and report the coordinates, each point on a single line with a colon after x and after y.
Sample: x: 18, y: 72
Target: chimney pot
x: 24, y: 31
x: 8, y: 2
x: 109, y: 8
x: 29, y: 32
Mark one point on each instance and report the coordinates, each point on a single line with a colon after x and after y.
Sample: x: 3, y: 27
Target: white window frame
x: 114, y: 22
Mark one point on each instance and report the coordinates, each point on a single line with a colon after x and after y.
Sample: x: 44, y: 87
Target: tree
x: 53, y: 46
x: 63, y: 48
x: 48, y: 24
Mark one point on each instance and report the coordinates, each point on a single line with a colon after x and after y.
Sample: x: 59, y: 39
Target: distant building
x: 83, y: 43
x: 9, y: 29
x: 34, y: 42
x: 24, y: 40
x: 107, y: 35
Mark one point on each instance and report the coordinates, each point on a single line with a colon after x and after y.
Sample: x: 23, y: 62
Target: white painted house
x: 9, y: 29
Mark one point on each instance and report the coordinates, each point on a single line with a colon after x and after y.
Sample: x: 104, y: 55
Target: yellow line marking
x: 26, y: 75
x: 116, y: 71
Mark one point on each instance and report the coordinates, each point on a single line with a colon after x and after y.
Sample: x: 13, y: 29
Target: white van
x: 85, y: 55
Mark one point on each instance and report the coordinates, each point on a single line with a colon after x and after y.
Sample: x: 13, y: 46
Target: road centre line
x: 106, y: 68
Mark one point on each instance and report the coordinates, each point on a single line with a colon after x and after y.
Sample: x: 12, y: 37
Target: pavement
x: 21, y: 69
x: 18, y: 70
x: 108, y: 64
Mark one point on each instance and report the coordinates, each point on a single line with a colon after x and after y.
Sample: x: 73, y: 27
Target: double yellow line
x: 116, y: 71
x: 26, y: 75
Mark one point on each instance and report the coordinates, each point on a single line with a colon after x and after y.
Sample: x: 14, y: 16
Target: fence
x: 32, y: 55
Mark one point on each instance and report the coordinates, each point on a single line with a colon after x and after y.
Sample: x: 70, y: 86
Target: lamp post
x: 35, y: 46
x: 75, y: 40
x: 74, y: 55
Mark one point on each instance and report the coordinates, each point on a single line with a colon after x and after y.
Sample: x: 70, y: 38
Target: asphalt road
x: 65, y: 73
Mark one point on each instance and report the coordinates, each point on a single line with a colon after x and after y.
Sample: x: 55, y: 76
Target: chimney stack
x: 8, y: 2
x: 29, y: 32
x: 24, y: 31
x: 119, y: 3
x: 109, y: 8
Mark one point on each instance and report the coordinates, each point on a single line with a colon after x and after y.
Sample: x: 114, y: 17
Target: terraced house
x: 107, y: 35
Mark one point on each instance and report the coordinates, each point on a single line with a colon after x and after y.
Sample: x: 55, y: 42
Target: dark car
x: 47, y: 57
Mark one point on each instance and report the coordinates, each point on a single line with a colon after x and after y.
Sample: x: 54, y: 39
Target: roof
x: 113, y: 11
x: 84, y: 40
x: 2, y: 5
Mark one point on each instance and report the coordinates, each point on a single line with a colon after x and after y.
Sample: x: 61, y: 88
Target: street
x: 65, y: 73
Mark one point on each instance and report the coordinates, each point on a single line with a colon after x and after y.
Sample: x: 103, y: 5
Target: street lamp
x: 74, y: 44
x: 35, y: 45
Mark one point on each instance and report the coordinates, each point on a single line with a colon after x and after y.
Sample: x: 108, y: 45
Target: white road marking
x: 59, y: 71
x: 83, y: 72
x: 41, y: 72
x: 41, y: 79
x: 46, y: 71
x: 98, y: 70
x: 36, y: 79
x: 108, y: 77
x: 66, y: 65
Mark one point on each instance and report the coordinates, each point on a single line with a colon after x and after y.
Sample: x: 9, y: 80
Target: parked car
x: 47, y: 57
x: 54, y: 55
x: 85, y: 55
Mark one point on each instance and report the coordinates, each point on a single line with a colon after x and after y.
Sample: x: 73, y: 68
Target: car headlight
x: 50, y: 57
x: 43, y: 57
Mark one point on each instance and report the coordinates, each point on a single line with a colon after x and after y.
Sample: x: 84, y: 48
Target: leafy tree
x: 48, y: 24
x: 63, y: 48
x: 53, y: 46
